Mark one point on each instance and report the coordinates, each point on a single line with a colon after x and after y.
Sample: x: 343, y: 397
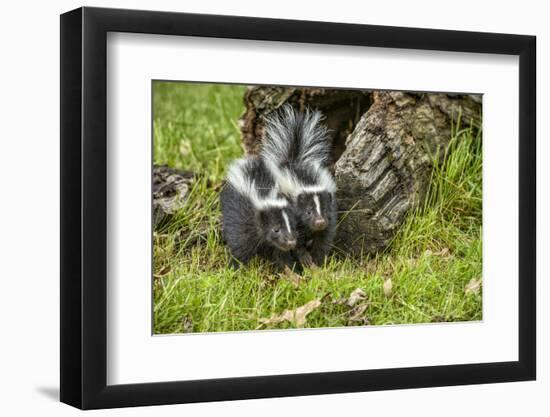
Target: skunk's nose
x: 319, y: 223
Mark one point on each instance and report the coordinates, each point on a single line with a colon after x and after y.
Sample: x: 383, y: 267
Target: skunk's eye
x: 276, y: 230
x: 309, y: 211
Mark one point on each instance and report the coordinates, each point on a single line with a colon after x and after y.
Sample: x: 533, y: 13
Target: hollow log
x: 342, y: 110
x: 384, y: 145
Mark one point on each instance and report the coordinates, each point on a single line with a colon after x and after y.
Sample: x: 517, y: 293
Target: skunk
x: 296, y: 149
x: 316, y: 211
x: 256, y: 219
x: 292, y: 138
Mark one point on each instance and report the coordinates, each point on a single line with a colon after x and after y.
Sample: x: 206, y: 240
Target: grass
x: 436, y: 253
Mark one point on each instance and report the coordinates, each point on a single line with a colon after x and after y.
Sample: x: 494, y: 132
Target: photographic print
x: 310, y: 193
x: 283, y: 207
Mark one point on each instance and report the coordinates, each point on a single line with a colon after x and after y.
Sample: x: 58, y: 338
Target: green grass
x: 434, y: 256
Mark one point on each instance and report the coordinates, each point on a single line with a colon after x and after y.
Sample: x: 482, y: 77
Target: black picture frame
x: 84, y: 207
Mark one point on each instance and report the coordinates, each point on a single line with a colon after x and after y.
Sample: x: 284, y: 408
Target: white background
x: 133, y: 60
x: 29, y: 213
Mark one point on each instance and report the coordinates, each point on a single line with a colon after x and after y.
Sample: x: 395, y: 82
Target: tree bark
x: 170, y: 189
x: 384, y: 144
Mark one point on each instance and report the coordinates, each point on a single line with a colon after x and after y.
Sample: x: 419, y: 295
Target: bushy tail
x: 295, y: 138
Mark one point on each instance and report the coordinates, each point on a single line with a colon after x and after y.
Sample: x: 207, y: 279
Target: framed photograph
x: 258, y: 208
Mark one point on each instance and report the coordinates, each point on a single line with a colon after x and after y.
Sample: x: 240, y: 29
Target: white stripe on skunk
x: 245, y: 185
x: 317, y: 204
x: 287, y: 222
x: 291, y: 185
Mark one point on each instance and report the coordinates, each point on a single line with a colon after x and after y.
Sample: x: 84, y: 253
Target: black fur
x: 248, y: 230
x: 317, y: 240
x: 288, y: 148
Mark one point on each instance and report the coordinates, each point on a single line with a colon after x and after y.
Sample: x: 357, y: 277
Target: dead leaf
x: 473, y: 286
x: 163, y: 271
x: 298, y: 316
x: 357, y: 314
x: 326, y: 297
x: 388, y: 286
x: 357, y: 304
x: 185, y: 147
x: 187, y: 323
x: 340, y: 301
x: 445, y: 252
x: 357, y: 295
x: 158, y: 235
x: 428, y: 252
x: 291, y: 276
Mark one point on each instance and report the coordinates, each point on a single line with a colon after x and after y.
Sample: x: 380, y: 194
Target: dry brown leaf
x: 185, y: 147
x: 326, y: 297
x: 298, y: 316
x: 340, y: 301
x: 357, y: 295
x: 473, y: 286
x: 187, y: 323
x: 357, y: 314
x: 163, y: 271
x: 388, y: 286
x: 291, y: 276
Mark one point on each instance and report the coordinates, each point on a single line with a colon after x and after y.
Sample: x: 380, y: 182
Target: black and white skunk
x: 296, y: 149
x: 257, y: 220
